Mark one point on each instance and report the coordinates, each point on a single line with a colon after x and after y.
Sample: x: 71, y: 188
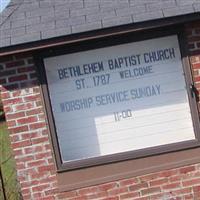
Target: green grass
x: 7, y: 165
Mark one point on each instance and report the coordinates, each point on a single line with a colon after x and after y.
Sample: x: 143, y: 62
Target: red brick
x: 196, y: 66
x: 191, y: 182
x: 32, y: 149
x: 12, y: 101
x: 27, y: 120
x: 26, y: 69
x: 158, y: 182
x: 14, y: 64
x: 26, y: 158
x: 46, y: 168
x: 196, y: 188
x: 34, y: 111
x: 18, y: 78
x: 18, y: 152
x: 131, y: 181
x: 197, y: 196
x: 26, y: 106
x: 15, y: 115
x: 161, y: 196
x: 30, y: 135
x: 171, y: 186
x: 37, y: 125
x: 150, y: 190
x: 36, y: 163
x: 43, y: 155
x: 38, y: 175
x: 137, y: 187
x: 40, y: 187
x: 21, y: 144
x: 19, y: 129
x: 32, y: 98
x: 189, y: 197
x: 118, y: 191
x: 37, y: 195
x: 182, y: 191
x: 40, y: 140
x: 129, y: 195
x: 26, y: 184
x: 176, y: 178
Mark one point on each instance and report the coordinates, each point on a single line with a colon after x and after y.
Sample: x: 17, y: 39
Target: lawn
x: 7, y: 166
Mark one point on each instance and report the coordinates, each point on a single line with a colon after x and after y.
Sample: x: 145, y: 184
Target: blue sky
x: 3, y: 4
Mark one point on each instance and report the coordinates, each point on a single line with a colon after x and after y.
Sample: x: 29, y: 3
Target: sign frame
x: 106, y: 41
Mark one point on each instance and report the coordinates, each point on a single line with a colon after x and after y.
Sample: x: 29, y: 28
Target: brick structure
x: 36, y: 171
x: 32, y: 21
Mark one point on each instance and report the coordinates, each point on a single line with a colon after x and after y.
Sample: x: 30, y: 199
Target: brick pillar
x: 25, y: 118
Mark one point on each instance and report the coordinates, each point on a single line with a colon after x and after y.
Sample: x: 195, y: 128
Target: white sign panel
x: 119, y: 98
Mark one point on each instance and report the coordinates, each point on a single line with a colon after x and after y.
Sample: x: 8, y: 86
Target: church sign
x: 119, y: 99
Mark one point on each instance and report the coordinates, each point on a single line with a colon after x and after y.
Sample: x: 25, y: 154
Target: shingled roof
x: 32, y: 20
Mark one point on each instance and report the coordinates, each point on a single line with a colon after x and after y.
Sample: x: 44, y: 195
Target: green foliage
x: 8, y: 165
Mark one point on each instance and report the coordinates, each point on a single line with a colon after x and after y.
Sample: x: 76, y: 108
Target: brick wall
x: 27, y: 124
x: 28, y: 131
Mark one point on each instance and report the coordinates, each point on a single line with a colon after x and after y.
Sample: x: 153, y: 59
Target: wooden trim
x: 48, y: 110
x: 73, y: 175
x: 77, y: 179
x: 193, y: 99
x: 107, y: 41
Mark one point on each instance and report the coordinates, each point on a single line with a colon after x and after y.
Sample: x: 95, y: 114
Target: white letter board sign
x: 119, y: 98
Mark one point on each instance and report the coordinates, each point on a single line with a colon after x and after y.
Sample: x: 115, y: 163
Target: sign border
x: 106, y: 42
